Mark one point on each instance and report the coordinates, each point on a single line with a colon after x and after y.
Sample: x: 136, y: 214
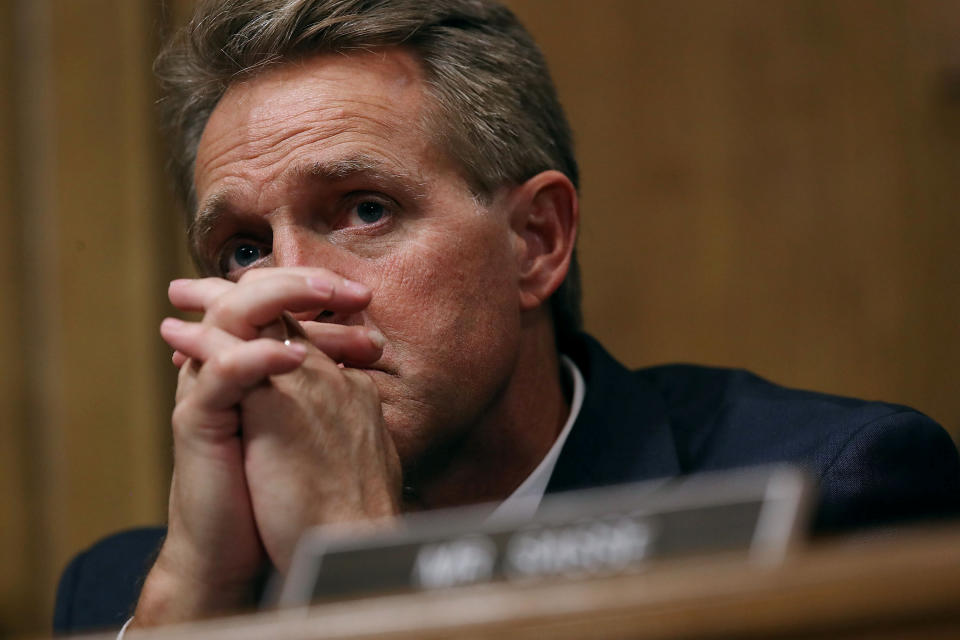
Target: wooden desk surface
x: 902, y: 585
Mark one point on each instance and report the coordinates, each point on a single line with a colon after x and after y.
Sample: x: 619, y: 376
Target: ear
x: 544, y: 219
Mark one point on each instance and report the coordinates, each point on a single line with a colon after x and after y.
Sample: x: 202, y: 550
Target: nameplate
x: 596, y: 532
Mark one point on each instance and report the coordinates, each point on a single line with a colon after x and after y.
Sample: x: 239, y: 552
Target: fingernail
x: 377, y: 338
x: 171, y: 323
x: 321, y: 284
x: 356, y: 287
x: 178, y: 281
x: 297, y: 347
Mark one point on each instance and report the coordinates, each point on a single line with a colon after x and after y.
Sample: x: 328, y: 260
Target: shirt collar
x: 525, y: 499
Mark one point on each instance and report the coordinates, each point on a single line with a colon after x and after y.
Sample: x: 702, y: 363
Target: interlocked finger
x: 353, y: 345
x: 223, y: 380
x: 245, y: 307
x: 196, y: 340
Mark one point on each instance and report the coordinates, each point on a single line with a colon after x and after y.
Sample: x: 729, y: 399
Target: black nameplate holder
x: 759, y: 512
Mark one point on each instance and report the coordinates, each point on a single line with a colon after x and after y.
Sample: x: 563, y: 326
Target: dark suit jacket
x: 876, y: 463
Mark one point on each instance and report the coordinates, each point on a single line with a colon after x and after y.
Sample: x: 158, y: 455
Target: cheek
x: 451, y: 315
x: 454, y: 291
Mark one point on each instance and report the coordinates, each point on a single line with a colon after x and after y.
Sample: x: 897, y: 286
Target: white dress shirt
x: 524, y: 501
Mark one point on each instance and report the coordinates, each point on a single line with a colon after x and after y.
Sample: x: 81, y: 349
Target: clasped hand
x: 270, y: 437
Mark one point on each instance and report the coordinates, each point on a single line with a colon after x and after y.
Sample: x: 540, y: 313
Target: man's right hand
x: 213, y: 553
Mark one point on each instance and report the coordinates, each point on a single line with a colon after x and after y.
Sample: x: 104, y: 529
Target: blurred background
x: 766, y: 184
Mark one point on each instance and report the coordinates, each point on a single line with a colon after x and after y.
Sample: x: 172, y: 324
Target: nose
x: 299, y: 246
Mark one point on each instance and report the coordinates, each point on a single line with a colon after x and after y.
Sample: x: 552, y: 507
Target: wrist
x: 170, y: 596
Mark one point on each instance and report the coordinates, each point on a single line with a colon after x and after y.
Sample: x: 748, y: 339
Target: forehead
x: 310, y: 111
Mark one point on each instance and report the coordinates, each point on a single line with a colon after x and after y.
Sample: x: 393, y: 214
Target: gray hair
x: 493, y: 107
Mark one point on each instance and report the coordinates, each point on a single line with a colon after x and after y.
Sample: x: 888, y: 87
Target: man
x: 384, y: 198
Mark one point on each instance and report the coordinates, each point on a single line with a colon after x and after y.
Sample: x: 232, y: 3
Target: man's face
x: 324, y: 163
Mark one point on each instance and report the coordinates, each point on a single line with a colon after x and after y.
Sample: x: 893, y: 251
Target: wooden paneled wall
x: 15, y: 548
x: 768, y: 184
x: 89, y: 245
x: 773, y: 185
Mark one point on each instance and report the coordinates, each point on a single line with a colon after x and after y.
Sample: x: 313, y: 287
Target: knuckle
x: 180, y: 420
x: 360, y: 381
x: 218, y: 309
x: 328, y: 380
x: 186, y: 378
x: 185, y: 373
x: 224, y: 365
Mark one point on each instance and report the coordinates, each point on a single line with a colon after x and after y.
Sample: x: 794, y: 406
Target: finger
x: 202, y: 342
x: 284, y: 328
x: 223, y: 380
x: 200, y: 294
x: 178, y: 359
x: 189, y: 294
x: 186, y: 378
x: 255, y: 303
x: 355, y: 345
x: 305, y: 272
x: 196, y: 340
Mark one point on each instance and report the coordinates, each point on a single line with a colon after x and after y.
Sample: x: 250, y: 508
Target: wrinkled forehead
x: 378, y: 93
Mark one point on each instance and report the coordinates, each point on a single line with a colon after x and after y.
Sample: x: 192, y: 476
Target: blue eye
x: 246, y: 254
x: 369, y: 211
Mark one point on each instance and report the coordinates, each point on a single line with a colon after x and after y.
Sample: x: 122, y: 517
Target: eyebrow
x: 218, y: 206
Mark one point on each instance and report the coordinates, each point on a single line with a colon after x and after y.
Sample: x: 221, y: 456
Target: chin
x: 409, y: 436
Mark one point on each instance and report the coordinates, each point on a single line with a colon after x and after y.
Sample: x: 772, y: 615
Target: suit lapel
x: 622, y: 433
